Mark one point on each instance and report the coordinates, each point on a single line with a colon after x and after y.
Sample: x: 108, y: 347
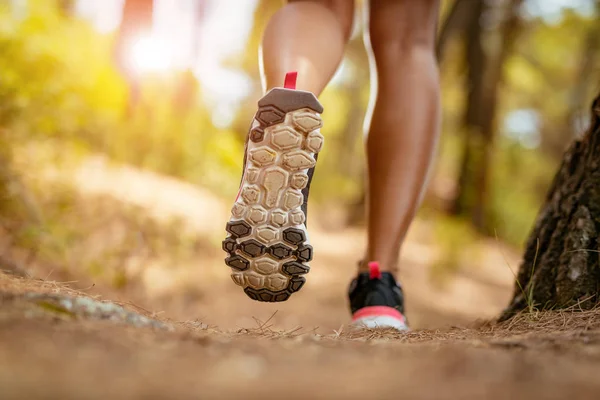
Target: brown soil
x: 48, y: 353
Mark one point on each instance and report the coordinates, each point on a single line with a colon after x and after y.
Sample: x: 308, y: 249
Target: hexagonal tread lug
x: 294, y: 236
x: 292, y: 199
x: 251, y: 194
x: 237, y: 262
x: 278, y: 218
x: 266, y: 266
x: 285, y: 138
x: 266, y: 295
x: 238, y: 279
x: 277, y: 282
x: 252, y: 293
x: 254, y: 280
x: 262, y: 156
x: 306, y: 121
x: 295, y: 268
x: 257, y: 215
x: 252, y: 248
x: 297, y: 160
x: 314, y: 142
x: 267, y: 234
x: 260, y: 295
x: 270, y: 115
x: 280, y: 251
x: 299, y: 181
x: 252, y: 174
x: 238, y: 229
x: 296, y: 284
x: 282, y: 296
x: 238, y: 210
x: 257, y: 134
x: 304, y: 253
x: 297, y: 217
x: 229, y: 245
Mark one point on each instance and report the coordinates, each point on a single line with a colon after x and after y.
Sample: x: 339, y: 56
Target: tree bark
x: 561, y: 264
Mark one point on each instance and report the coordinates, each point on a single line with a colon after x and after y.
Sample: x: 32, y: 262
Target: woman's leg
x: 269, y: 214
x: 405, y: 120
x: 308, y: 37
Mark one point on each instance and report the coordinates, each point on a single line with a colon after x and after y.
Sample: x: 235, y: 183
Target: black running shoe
x: 267, y: 245
x: 376, y: 300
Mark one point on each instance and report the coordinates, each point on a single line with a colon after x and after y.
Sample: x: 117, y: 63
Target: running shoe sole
x: 267, y: 245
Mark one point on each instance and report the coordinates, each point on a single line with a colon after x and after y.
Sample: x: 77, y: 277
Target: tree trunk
x: 453, y: 24
x: 494, y: 77
x: 136, y: 20
x: 67, y: 7
x: 561, y: 264
x: 475, y: 55
x: 485, y: 76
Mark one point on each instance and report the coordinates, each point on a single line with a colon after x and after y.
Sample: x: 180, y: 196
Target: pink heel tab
x: 374, y: 271
x: 290, y: 80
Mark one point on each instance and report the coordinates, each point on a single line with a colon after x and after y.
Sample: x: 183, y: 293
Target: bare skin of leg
x: 308, y: 37
x: 405, y: 122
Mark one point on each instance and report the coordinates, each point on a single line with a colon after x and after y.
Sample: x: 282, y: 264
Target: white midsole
x: 381, y: 321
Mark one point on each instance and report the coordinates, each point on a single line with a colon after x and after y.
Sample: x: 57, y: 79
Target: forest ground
x: 188, y: 332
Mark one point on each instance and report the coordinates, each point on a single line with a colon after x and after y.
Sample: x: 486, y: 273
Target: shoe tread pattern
x: 267, y: 246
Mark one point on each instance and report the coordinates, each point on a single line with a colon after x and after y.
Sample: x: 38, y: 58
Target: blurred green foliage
x: 544, y: 75
x: 58, y: 82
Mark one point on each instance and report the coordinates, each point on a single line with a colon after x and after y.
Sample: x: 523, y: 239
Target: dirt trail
x: 230, y: 347
x: 49, y: 352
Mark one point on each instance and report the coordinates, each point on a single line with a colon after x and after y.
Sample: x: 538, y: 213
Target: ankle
x: 364, y: 266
